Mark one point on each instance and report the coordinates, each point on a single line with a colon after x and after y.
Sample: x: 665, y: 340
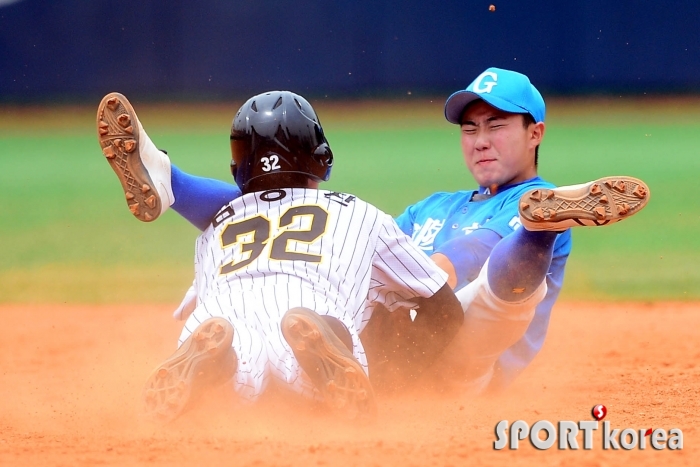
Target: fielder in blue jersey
x: 442, y: 223
x: 504, y: 244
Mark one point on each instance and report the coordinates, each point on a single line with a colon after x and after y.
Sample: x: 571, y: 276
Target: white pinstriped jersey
x: 330, y: 252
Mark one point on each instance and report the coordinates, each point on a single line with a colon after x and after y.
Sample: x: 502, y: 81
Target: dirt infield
x: 72, y: 375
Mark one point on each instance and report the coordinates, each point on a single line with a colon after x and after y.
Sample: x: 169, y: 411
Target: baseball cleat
x: 600, y: 202
x: 142, y: 169
x: 205, y: 359
x: 330, y: 365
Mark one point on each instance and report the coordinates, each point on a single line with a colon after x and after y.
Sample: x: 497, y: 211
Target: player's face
x: 497, y: 148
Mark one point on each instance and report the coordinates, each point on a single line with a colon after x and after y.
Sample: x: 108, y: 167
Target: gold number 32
x: 259, y: 227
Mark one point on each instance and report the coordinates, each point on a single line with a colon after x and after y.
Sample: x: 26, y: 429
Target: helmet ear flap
x: 324, y: 156
x: 234, y: 168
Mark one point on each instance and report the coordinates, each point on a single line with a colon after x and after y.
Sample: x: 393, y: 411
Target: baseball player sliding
x: 282, y: 273
x: 504, y: 244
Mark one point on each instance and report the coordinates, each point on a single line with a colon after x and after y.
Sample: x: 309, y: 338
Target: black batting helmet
x: 277, y: 133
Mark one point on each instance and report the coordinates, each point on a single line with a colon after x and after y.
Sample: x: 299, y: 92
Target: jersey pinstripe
x: 268, y: 252
x: 329, y: 247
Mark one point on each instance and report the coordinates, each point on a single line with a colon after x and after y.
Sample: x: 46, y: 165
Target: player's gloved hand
x: 187, y: 306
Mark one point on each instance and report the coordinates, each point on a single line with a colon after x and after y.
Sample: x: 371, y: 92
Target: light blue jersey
x: 442, y: 217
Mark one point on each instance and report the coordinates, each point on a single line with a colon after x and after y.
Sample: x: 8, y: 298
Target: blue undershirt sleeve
x: 198, y: 199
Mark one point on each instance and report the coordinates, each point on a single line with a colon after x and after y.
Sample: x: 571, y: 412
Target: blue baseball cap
x: 506, y: 90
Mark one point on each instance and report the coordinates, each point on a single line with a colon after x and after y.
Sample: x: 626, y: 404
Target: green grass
x: 67, y: 236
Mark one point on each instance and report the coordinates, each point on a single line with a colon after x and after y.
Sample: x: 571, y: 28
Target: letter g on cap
x: 484, y: 85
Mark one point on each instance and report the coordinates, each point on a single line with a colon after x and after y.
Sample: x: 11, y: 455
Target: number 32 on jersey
x: 253, y: 236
